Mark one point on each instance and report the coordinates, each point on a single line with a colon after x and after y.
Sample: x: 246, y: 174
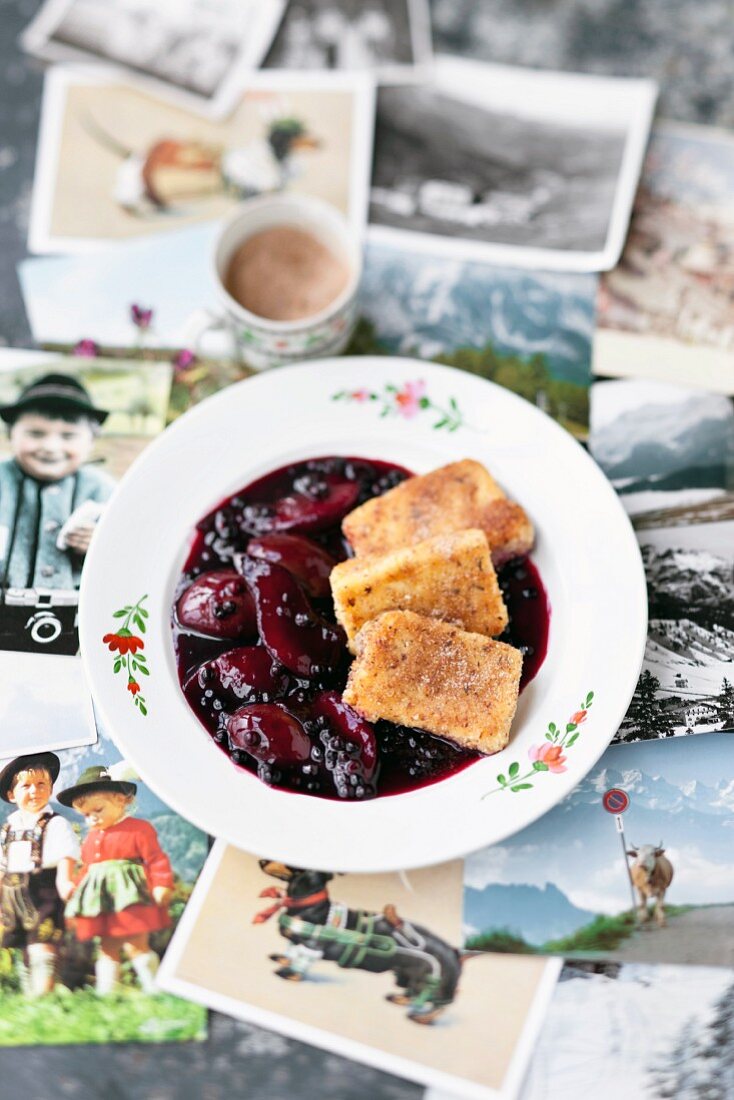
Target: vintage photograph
x: 70, y: 432
x: 115, y: 163
x: 565, y: 885
x: 366, y: 966
x: 650, y: 1032
x: 666, y: 312
x: 489, y: 162
x: 197, y: 50
x: 95, y: 872
x: 669, y: 452
x: 391, y: 36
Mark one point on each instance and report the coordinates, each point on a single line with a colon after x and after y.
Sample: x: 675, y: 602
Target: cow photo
x: 660, y: 891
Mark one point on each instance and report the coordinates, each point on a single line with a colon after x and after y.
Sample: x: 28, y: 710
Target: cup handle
x: 204, y: 322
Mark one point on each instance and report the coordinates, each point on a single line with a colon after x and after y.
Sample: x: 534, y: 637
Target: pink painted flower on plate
x: 550, y: 755
x: 579, y: 717
x: 408, y: 399
x: 360, y: 395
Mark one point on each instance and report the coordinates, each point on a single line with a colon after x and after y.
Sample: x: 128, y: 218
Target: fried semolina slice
x: 419, y: 672
x: 449, y: 577
x: 452, y: 498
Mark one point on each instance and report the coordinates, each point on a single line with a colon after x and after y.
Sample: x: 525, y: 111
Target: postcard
x: 370, y: 970
x: 517, y: 167
x: 669, y: 453
x: 115, y: 163
x: 198, y: 52
x: 96, y: 872
x: 392, y: 37
x: 72, y: 427
x: 529, y: 331
x: 627, y: 1029
x: 534, y: 336
x: 665, y: 312
x: 652, y: 883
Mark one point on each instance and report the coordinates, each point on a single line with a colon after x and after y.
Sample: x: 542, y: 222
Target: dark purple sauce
x: 289, y: 725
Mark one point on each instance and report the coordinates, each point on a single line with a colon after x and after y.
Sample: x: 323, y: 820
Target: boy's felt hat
x: 49, y: 761
x: 94, y: 779
x: 58, y: 391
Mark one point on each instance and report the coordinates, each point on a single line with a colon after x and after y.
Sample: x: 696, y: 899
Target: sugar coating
x: 415, y: 671
x: 454, y: 497
x: 449, y: 577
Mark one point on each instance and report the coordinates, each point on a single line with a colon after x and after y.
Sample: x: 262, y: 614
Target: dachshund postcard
x: 368, y: 966
x: 115, y: 162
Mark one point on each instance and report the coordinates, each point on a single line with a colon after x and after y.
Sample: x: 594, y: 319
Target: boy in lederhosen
x: 38, y: 853
x: 50, y: 501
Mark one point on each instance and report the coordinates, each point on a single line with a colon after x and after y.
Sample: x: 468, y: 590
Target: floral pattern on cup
x: 262, y: 348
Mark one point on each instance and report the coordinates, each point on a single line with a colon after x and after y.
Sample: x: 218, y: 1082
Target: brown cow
x: 652, y: 874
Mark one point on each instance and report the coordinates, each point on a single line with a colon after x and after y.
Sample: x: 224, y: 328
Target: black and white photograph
x: 392, y: 37
x: 525, y: 168
x: 196, y: 50
x: 631, y: 1030
x: 669, y: 452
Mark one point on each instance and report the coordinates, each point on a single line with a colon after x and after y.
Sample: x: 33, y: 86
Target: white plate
x: 586, y: 553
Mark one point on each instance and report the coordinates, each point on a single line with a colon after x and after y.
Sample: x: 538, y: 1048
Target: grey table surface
x: 687, y: 46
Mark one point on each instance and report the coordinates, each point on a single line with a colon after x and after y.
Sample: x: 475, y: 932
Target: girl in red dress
x: 126, y: 883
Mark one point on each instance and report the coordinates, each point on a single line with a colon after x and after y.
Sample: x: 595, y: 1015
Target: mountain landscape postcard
x: 561, y: 886
x: 669, y: 453
x: 528, y: 331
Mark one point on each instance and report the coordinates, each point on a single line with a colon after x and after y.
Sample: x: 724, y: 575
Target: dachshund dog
x: 426, y: 968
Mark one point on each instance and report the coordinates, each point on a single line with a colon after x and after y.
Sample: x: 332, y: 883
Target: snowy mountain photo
x: 648, y: 1032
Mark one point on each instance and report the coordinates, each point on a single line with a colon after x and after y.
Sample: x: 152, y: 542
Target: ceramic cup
x: 265, y: 343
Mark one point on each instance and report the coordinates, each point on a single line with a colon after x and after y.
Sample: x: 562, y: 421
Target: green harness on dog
x: 359, y: 943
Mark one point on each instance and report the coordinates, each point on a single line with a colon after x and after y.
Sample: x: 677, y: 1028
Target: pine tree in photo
x: 679, y: 1076
x: 646, y: 710
x: 726, y: 703
x: 717, y: 1081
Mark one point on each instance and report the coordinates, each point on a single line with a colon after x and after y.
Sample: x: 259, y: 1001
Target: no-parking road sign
x: 615, y: 801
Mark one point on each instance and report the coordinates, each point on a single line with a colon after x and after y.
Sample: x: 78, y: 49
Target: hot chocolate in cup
x: 287, y: 269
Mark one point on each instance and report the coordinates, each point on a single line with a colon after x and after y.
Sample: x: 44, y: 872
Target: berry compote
x: 261, y: 659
